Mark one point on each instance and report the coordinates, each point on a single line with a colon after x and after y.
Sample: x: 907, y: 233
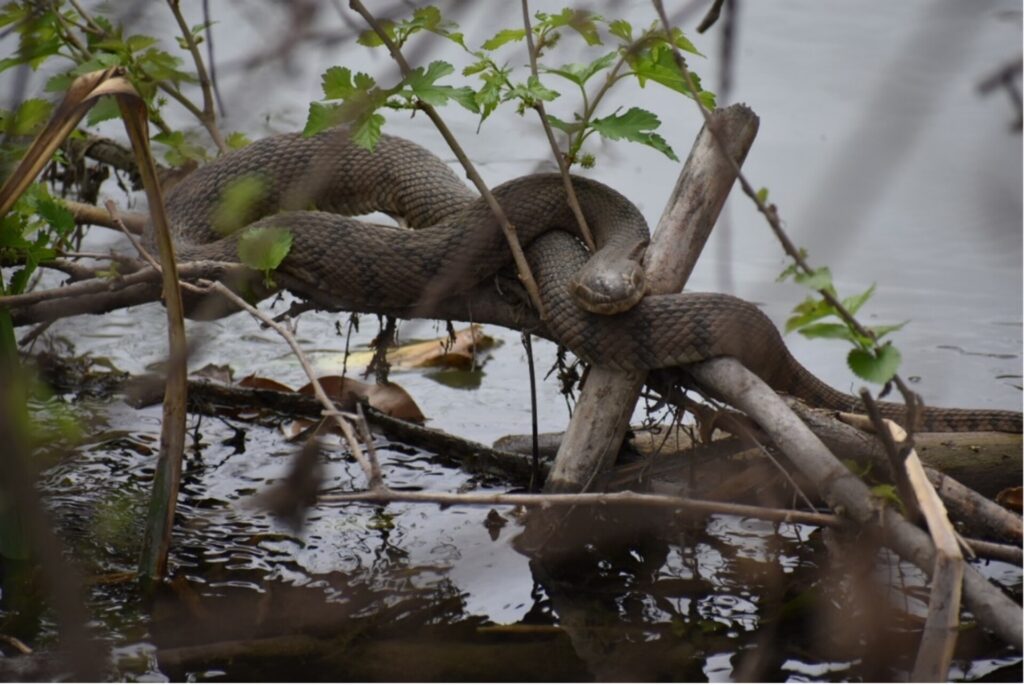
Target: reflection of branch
x: 525, y: 275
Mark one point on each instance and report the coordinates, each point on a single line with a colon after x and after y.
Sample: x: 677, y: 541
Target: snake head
x: 609, y: 285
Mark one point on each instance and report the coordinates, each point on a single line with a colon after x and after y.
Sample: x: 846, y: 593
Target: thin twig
x: 525, y: 275
x: 591, y: 498
x: 208, y: 117
x: 346, y: 427
x: 563, y: 169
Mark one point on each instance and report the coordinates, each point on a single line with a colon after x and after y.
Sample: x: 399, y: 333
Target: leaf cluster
x: 817, y: 317
x: 356, y: 100
x: 33, y: 232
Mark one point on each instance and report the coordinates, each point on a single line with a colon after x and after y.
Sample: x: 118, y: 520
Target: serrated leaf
x: 339, y: 83
x: 635, y: 125
x: 366, y: 133
x: 322, y: 116
x: 855, y: 302
x: 581, y: 73
x: 835, y: 331
x: 105, y: 109
x: 531, y: 91
x: 820, y: 279
x: 620, y: 28
x: 808, y: 311
x: 56, y: 214
x: 264, y: 247
x: 422, y: 83
x: 29, y: 117
x: 503, y: 36
x: 877, y: 368
x: 58, y: 83
x: 581, y: 21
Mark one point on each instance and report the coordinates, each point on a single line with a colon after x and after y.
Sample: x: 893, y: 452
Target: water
x: 885, y: 164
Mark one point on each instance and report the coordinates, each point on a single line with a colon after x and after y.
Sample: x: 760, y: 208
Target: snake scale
x: 308, y: 184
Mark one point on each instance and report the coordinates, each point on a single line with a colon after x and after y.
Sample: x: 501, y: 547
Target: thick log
x: 606, y: 403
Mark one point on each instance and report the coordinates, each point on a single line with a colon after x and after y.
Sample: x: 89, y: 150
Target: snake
x: 596, y: 305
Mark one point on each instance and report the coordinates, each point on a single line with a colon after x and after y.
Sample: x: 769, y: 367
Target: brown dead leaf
x: 390, y: 398
x: 261, y: 383
x: 1011, y: 498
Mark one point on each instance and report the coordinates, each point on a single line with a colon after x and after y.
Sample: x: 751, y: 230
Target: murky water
x: 886, y: 164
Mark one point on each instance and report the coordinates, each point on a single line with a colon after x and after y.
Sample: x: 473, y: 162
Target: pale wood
x: 846, y: 493
x: 606, y: 402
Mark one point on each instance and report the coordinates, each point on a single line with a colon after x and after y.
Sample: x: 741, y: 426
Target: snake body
x: 307, y: 184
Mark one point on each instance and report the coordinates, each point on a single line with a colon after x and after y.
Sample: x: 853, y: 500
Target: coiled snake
x: 458, y: 245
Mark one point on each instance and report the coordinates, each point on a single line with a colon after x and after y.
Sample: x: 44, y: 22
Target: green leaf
x: 236, y: 140
x: 808, y: 311
x: 56, y: 214
x: 581, y: 73
x: 321, y: 117
x: 422, y: 83
x: 563, y: 125
x: 820, y: 279
x: 620, y: 28
x: 530, y: 92
x: 882, y: 331
x: 503, y: 36
x: 58, y: 83
x: 366, y: 133
x: 635, y: 125
x: 683, y: 43
x: 339, y: 83
x: 29, y: 117
x: 877, y: 367
x: 837, y: 331
x: 855, y: 302
x: 371, y: 40
x: 105, y: 109
x: 581, y: 21
x: 239, y: 203
x: 762, y: 195
x: 182, y: 149
x: 658, y: 64
x: 264, y: 247
x: 887, y: 492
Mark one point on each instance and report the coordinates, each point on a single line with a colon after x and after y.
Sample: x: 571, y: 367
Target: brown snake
x: 459, y: 244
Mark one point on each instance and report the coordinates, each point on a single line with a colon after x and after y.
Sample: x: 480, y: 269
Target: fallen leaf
x: 389, y: 398
x: 459, y: 353
x: 1011, y: 498
x: 221, y: 373
x: 261, y: 383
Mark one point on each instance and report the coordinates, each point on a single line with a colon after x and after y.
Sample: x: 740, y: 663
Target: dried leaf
x: 439, y: 352
x: 390, y: 398
x: 1011, y: 498
x: 260, y: 383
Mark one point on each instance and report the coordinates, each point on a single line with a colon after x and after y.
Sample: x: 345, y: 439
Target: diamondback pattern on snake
x: 458, y: 244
